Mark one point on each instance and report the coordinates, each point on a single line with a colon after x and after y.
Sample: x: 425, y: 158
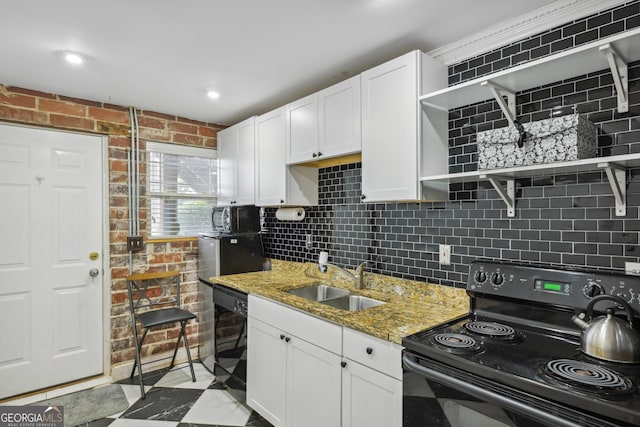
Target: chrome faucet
x: 357, y: 277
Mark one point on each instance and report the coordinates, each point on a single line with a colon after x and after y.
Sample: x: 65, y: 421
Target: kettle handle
x: 623, y: 303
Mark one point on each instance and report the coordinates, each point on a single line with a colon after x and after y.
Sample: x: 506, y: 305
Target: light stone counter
x: 410, y: 306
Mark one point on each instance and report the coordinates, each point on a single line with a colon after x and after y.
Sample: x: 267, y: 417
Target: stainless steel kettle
x: 609, y: 337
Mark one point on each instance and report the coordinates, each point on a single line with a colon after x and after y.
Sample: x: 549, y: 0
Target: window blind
x: 182, y: 186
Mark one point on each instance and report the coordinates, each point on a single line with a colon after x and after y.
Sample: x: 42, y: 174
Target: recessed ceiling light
x: 73, y: 58
x: 213, y: 94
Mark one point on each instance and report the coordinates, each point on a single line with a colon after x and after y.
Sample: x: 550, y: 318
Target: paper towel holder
x: 290, y: 214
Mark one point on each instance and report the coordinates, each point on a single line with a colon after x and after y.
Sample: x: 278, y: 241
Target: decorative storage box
x: 557, y: 139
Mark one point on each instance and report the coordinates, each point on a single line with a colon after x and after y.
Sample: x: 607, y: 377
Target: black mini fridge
x: 223, y: 311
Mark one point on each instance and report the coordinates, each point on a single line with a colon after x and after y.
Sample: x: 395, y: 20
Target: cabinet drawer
x: 291, y: 321
x: 381, y: 355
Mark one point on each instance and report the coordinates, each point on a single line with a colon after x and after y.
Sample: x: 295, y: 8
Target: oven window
x: 429, y: 403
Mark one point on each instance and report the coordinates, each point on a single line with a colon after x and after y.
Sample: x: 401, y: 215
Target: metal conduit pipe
x: 133, y: 183
x: 137, y: 187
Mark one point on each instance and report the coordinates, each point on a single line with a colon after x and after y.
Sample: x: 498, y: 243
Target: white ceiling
x: 163, y: 55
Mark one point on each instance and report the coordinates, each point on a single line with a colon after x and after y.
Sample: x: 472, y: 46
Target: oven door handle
x: 481, y: 393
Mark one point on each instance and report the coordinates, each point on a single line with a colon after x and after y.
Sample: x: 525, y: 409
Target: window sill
x: 172, y: 239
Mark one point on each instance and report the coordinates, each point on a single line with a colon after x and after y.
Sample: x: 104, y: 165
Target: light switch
x: 445, y: 254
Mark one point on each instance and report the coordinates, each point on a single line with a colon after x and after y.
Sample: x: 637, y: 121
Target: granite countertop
x: 410, y: 306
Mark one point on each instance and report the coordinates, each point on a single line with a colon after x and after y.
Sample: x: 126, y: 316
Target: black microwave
x: 236, y: 219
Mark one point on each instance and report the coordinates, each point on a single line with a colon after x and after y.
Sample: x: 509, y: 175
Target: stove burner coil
x: 587, y: 374
x: 492, y: 329
x: 456, y: 342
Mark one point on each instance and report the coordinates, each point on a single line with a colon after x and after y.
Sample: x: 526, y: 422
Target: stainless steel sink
x: 352, y: 302
x: 319, y: 292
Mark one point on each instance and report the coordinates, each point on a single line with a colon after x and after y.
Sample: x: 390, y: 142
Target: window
x: 182, y: 185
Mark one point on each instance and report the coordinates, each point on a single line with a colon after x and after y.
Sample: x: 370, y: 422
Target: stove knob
x: 591, y: 290
x: 497, y: 279
x: 480, y: 276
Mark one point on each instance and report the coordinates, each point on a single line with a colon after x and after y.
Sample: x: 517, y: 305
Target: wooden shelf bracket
x: 499, y: 93
x: 619, y: 70
x: 617, y: 177
x: 506, y: 191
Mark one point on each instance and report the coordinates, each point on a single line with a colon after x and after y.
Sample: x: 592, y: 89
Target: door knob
x: 94, y: 272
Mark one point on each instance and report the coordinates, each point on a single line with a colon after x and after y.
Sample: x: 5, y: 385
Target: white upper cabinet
x: 392, y: 146
x: 340, y: 119
x: 245, y: 188
x: 227, y: 165
x: 325, y: 124
x: 236, y: 164
x: 270, y: 165
x: 276, y: 183
x: 302, y: 129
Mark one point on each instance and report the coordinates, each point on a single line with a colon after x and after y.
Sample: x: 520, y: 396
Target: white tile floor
x: 217, y: 407
x: 173, y: 400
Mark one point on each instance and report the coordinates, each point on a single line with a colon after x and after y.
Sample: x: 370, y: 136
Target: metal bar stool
x: 152, y: 303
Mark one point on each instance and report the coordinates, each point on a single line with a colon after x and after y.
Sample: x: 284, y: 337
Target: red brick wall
x: 55, y: 111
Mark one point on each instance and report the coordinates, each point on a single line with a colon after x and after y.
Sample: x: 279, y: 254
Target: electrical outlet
x: 632, y: 268
x: 445, y: 254
x: 134, y: 243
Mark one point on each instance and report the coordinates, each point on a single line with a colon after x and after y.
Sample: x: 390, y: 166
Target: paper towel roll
x: 290, y: 214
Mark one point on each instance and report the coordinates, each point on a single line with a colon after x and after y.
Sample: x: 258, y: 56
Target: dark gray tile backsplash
x: 584, y: 30
x: 563, y: 219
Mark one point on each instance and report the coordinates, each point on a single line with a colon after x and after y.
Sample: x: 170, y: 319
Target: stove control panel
x: 572, y: 288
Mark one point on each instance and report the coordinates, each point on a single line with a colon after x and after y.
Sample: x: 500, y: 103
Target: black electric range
x: 519, y: 351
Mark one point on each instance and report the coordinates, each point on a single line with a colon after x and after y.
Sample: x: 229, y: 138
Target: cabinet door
x: 226, y: 166
x: 340, y: 118
x: 313, y: 385
x: 270, y: 159
x: 266, y: 371
x: 370, y: 398
x: 245, y: 162
x: 302, y: 129
x: 390, y: 130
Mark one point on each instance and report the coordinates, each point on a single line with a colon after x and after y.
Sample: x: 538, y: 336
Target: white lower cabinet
x: 313, y: 377
x: 290, y: 381
x: 266, y: 371
x: 304, y: 371
x: 370, y: 398
x: 371, y: 381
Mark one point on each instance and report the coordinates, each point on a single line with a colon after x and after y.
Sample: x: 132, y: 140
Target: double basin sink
x: 334, y: 297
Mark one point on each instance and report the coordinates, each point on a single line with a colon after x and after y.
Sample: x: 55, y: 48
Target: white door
x: 50, y: 223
